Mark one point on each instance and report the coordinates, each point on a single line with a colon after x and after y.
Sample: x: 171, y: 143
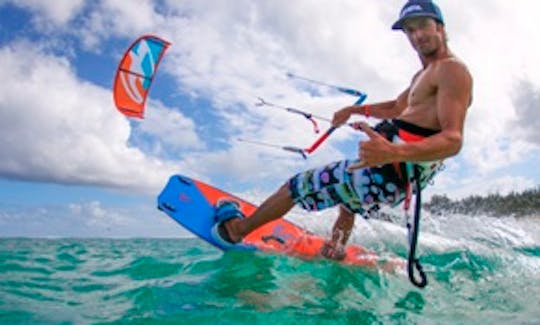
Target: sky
x: 72, y: 165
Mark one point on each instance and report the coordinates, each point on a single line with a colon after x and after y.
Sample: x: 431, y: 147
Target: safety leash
x: 412, y: 230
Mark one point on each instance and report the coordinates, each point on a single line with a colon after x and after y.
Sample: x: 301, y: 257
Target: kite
x: 135, y: 74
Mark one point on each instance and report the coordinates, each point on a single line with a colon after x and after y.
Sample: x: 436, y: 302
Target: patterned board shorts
x: 330, y: 185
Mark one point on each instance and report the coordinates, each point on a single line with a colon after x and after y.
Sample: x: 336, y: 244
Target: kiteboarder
x: 422, y: 126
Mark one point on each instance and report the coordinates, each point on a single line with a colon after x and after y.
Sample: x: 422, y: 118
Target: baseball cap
x: 418, y: 8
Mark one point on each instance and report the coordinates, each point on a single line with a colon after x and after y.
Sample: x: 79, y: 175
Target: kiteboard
x: 191, y: 203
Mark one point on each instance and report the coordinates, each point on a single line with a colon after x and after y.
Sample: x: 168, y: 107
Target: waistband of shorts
x: 410, y: 132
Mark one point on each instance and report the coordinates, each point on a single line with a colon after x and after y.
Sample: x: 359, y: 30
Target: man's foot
x: 333, y: 251
x: 226, y: 231
x: 227, y: 213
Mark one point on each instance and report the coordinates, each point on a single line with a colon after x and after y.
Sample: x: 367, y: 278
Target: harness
x: 405, y: 175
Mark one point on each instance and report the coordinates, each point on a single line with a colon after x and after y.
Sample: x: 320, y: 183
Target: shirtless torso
x: 437, y: 99
x: 421, y: 98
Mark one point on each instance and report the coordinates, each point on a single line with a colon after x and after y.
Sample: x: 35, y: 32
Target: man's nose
x: 417, y: 34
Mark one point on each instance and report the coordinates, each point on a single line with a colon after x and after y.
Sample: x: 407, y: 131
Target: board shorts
x: 360, y: 190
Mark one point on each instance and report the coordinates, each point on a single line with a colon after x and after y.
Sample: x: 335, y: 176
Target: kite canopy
x: 135, y: 74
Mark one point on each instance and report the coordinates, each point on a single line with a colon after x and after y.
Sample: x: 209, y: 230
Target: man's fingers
x: 368, y: 130
x: 358, y: 165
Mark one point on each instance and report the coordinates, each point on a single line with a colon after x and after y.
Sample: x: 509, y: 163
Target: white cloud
x: 233, y: 51
x: 109, y: 18
x: 461, y: 187
x: 164, y: 130
x: 57, y: 128
x: 343, y: 41
x: 497, y: 41
x: 87, y: 219
x: 58, y: 12
x: 527, y: 101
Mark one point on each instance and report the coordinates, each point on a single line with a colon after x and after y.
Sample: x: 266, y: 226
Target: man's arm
x: 454, y: 85
x: 383, y: 110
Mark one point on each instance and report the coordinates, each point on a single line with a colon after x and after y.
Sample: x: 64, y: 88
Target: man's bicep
x: 453, y: 96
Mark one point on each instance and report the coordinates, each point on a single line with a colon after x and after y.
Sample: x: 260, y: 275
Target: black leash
x: 412, y: 261
x: 389, y: 130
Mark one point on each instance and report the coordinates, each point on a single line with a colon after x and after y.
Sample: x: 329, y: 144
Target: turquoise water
x: 483, y: 280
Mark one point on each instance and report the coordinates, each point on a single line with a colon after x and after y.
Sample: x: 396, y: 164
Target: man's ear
x: 440, y: 29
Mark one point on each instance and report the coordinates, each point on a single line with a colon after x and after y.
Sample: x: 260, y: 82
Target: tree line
x: 525, y: 203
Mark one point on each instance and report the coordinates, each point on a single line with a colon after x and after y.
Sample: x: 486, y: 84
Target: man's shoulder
x: 452, y: 73
x: 451, y: 70
x: 451, y: 65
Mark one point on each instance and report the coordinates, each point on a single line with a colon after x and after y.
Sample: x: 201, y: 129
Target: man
x: 426, y: 127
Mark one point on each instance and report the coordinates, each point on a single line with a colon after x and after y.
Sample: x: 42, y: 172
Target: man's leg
x: 274, y: 207
x: 335, y: 247
x: 343, y: 226
x: 305, y: 188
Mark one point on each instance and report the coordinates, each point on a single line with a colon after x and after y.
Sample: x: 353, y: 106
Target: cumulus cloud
x: 527, y: 102
x: 55, y: 13
x: 164, y: 131
x: 86, y: 219
x: 112, y: 18
x: 479, y: 185
x: 57, y: 128
x: 230, y: 52
x: 499, y: 58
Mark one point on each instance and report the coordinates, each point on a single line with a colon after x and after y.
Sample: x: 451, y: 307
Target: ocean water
x: 481, y: 270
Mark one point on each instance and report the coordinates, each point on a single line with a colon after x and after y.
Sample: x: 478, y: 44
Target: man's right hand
x: 342, y: 116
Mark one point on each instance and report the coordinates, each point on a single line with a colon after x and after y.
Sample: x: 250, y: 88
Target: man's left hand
x: 375, y: 151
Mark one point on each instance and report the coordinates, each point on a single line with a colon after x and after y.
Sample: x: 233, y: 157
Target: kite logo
x: 184, y: 198
x: 142, y: 64
x: 410, y: 9
x: 280, y: 232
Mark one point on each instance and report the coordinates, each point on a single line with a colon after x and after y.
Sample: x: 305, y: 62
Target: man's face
x: 424, y: 33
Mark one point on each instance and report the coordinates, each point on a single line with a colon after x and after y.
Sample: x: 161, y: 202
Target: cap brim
x: 398, y: 25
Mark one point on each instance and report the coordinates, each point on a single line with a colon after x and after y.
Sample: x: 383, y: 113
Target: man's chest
x: 423, y: 89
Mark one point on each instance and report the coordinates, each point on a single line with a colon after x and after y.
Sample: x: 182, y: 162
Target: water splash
x: 481, y: 270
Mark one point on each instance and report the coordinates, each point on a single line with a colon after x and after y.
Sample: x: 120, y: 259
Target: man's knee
x: 285, y: 190
x: 345, y: 212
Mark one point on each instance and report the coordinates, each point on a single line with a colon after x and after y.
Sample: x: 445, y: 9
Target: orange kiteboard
x: 191, y: 203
